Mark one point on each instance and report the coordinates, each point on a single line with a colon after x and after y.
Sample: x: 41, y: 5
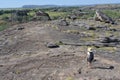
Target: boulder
x: 109, y: 40
x: 63, y: 23
x: 20, y: 28
x: 106, y: 28
x: 42, y: 15
x: 99, y: 16
x: 51, y: 45
x: 73, y: 17
x: 90, y: 28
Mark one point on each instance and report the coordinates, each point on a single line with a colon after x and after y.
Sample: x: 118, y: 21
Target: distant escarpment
x: 39, y: 6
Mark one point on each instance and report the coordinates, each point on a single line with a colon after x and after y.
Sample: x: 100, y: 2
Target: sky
x: 20, y: 3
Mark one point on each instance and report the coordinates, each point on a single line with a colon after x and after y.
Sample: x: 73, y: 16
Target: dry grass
x: 109, y: 49
x: 72, y: 31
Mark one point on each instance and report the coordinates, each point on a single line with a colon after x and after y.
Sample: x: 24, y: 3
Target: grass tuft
x: 3, y: 25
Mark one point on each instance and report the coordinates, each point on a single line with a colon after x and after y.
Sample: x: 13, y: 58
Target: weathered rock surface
x: 40, y: 15
x: 109, y: 40
x: 20, y: 28
x: 63, y: 22
x: 72, y: 16
x: 99, y: 16
x: 52, y: 45
x: 24, y: 56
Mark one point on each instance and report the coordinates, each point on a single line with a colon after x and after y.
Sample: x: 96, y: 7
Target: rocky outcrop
x: 20, y: 28
x: 51, y: 45
x: 99, y: 16
x: 90, y: 28
x: 45, y: 16
x: 109, y: 40
x: 63, y: 22
x: 73, y: 17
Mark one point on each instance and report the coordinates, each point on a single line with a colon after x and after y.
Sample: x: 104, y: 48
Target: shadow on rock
x: 110, y: 67
x: 51, y: 45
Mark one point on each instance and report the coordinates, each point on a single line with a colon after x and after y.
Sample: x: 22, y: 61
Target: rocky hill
x: 56, y: 49
x: 95, y: 6
x: 39, y: 6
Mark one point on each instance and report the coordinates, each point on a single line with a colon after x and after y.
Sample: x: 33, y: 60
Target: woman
x: 90, y: 57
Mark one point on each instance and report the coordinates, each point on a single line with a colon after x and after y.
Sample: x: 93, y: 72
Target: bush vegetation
x: 112, y: 13
x: 3, y: 25
x: 56, y: 13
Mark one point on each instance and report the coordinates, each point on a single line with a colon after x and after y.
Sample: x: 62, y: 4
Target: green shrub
x: 56, y: 15
x: 1, y: 12
x: 6, y: 18
x: 112, y: 13
x: 3, y: 27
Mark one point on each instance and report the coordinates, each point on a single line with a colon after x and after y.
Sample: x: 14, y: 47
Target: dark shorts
x: 90, y: 58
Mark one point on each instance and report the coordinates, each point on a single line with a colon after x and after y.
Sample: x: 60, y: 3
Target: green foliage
x: 3, y: 27
x: 7, y: 11
x: 72, y: 31
x: 88, y: 15
x: 112, y: 13
x: 59, y: 43
x: 55, y: 27
x: 69, y: 78
x: 1, y: 12
x: 56, y: 15
x: 110, y: 49
x: 6, y: 18
x: 17, y: 72
x: 20, y: 19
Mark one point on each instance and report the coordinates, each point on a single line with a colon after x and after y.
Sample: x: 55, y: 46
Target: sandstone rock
x: 99, y: 16
x: 72, y: 16
x: 45, y: 16
x: 63, y: 23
